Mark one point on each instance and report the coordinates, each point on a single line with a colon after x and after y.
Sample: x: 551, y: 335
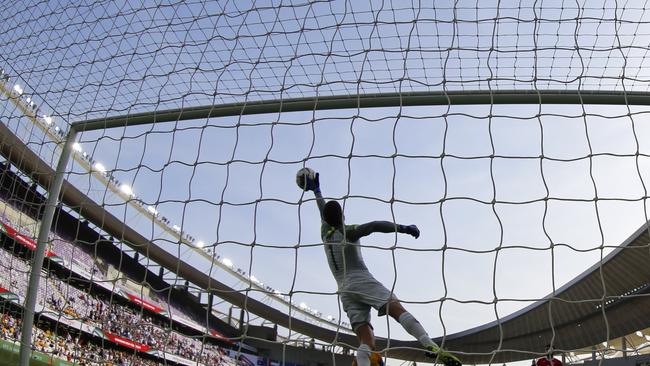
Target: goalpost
x: 513, y: 136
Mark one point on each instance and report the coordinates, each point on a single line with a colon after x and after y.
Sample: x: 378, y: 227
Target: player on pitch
x: 358, y: 289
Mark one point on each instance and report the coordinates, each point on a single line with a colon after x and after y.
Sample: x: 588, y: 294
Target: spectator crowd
x: 99, y: 311
x: 69, y: 348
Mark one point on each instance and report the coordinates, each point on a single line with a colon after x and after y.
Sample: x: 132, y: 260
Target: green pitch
x: 9, y: 356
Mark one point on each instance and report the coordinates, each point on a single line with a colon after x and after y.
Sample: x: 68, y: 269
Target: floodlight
x: 126, y: 189
x: 77, y: 147
x: 200, y: 244
x: 100, y: 167
x: 18, y: 89
x: 152, y: 210
x: 227, y: 262
x: 47, y: 119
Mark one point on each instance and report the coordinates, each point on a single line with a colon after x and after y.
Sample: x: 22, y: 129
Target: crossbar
x: 432, y: 98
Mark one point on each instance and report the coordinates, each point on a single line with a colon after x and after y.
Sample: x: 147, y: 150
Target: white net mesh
x: 513, y: 201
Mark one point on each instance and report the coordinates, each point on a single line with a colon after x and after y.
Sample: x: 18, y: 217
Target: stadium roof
x: 607, y: 301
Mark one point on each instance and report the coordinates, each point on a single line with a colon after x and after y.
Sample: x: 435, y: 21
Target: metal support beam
x: 429, y: 98
x: 241, y: 320
x: 39, y: 253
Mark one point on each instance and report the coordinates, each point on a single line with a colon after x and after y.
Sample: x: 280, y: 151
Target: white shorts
x: 361, y: 292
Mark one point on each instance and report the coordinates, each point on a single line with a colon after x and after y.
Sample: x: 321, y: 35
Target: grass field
x: 9, y: 356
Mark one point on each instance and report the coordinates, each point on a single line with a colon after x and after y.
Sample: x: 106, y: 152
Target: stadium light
x: 126, y: 189
x: 100, y: 167
x: 639, y: 333
x: 47, y: 119
x: 18, y: 89
x: 176, y: 228
x: 77, y: 147
x: 254, y: 279
x: 303, y: 305
x: 152, y: 210
x: 200, y: 244
x: 330, y: 318
x: 28, y: 100
x: 227, y: 262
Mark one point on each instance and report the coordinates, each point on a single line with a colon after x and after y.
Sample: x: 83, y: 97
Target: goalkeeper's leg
x: 366, y: 344
x: 395, y: 309
x: 359, y: 315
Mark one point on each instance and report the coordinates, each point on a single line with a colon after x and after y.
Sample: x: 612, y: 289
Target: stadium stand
x: 71, y: 348
x: 13, y: 273
x: 111, y: 314
x: 74, y: 303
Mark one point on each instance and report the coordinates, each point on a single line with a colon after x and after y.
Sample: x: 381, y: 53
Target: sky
x: 520, y: 179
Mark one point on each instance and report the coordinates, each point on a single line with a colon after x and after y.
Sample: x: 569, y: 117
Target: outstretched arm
x: 381, y: 227
x: 319, y: 198
x: 314, y: 185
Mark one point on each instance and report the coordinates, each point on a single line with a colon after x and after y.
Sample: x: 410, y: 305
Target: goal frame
x: 437, y: 98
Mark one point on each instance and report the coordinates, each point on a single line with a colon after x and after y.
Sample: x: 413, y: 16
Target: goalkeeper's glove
x: 313, y: 184
x: 409, y: 229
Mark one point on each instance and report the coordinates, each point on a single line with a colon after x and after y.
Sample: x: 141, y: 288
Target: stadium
x: 151, y: 211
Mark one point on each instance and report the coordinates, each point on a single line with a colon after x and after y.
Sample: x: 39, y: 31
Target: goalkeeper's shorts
x: 361, y: 292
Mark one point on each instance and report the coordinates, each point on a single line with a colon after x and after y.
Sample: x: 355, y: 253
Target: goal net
x: 515, y: 136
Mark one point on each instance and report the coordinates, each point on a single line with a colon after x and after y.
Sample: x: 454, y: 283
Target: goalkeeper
x: 358, y: 289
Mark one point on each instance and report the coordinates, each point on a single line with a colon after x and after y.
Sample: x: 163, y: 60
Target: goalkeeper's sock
x: 414, y: 328
x: 363, y: 355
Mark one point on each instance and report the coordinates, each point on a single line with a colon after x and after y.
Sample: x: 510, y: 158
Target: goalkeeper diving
x: 358, y: 289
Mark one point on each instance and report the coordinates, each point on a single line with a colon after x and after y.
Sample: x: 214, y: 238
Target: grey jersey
x: 343, y: 251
